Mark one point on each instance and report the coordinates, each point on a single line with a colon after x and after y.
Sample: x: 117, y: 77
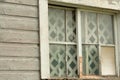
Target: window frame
x: 44, y: 41
x: 109, y: 45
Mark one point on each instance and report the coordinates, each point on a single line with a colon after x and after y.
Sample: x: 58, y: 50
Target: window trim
x: 44, y: 41
x: 114, y: 36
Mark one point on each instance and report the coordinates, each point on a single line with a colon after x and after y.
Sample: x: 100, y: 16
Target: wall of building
x: 19, y: 42
x: 19, y: 37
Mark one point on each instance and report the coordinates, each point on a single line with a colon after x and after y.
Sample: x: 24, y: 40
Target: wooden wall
x: 19, y: 47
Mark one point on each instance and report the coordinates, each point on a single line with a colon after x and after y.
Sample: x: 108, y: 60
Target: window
x: 72, y: 35
x: 62, y: 42
x: 98, y: 44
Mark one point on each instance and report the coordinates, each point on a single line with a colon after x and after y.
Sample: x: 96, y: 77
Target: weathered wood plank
x: 13, y: 63
x: 19, y: 10
x: 18, y: 75
x: 18, y: 36
x: 19, y: 50
x: 27, y: 2
x: 18, y: 23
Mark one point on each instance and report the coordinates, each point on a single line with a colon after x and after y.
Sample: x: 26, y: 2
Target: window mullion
x: 99, y: 46
x: 79, y: 41
x: 116, y: 44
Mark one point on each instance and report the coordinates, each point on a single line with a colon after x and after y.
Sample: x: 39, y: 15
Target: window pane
x: 56, y: 24
x: 90, y: 59
x: 106, y: 29
x: 57, y: 61
x: 83, y: 26
x: 71, y: 27
x: 92, y: 32
x: 108, y: 60
x: 72, y: 61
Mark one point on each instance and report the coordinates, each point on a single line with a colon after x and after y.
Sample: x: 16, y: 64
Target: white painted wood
x: 19, y: 75
x: 118, y: 32
x: 94, y: 3
x: 18, y: 64
x: 44, y: 41
x: 18, y: 36
x: 116, y: 44
x: 18, y: 50
x: 26, y: 2
x: 79, y: 40
x: 64, y: 43
x: 10, y: 22
x: 108, y: 60
x: 18, y: 10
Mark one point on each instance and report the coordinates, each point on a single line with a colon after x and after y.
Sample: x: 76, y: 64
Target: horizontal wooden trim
x: 63, y: 43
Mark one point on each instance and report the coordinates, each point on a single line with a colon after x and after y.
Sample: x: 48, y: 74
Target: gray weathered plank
x: 18, y: 75
x: 19, y: 50
x: 27, y: 2
x: 15, y: 63
x: 18, y: 36
x: 18, y: 23
x: 19, y: 10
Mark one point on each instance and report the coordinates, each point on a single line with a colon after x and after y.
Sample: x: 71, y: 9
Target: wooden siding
x: 19, y: 42
x: 26, y: 2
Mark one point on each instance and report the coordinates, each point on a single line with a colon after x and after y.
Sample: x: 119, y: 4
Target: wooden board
x: 19, y: 75
x: 18, y: 36
x: 26, y: 2
x: 18, y: 10
x: 108, y: 60
x: 18, y: 64
x: 19, y: 50
x: 10, y: 22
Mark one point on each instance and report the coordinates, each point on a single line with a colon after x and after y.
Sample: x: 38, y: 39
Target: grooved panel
x: 18, y: 23
x: 27, y: 2
x: 19, y: 75
x: 19, y: 63
x: 18, y: 36
x: 19, y: 50
x: 18, y: 10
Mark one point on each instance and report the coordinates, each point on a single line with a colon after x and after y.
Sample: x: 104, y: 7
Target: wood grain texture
x: 22, y: 23
x: 19, y: 50
x: 18, y: 64
x: 18, y: 10
x: 19, y: 75
x: 26, y: 2
x: 18, y: 36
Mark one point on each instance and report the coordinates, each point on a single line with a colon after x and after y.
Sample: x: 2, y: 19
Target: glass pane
x: 106, y: 29
x: 92, y: 28
x: 71, y: 61
x: 71, y: 27
x: 83, y: 26
x: 108, y: 59
x: 90, y: 59
x: 57, y: 61
x: 56, y: 24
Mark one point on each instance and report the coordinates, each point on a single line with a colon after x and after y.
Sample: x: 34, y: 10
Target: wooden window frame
x: 44, y: 41
x: 109, y: 45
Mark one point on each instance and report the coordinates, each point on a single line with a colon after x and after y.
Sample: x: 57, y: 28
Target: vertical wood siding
x: 19, y: 43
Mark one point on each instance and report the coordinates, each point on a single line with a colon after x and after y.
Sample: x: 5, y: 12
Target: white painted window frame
x: 44, y: 41
x: 115, y: 27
